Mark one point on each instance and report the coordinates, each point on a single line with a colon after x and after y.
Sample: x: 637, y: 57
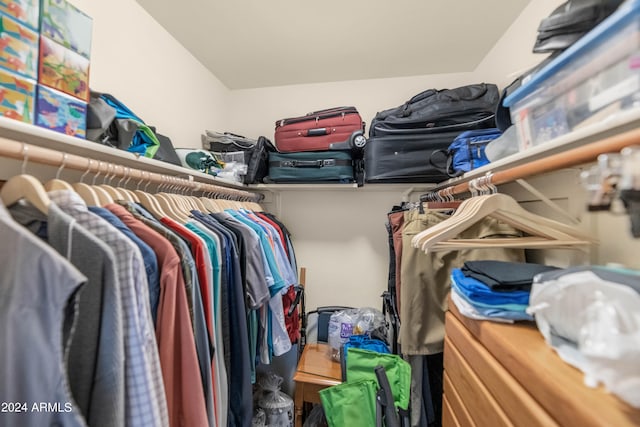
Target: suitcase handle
x: 308, y: 163
x: 317, y: 132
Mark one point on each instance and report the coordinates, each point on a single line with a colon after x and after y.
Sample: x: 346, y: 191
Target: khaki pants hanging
x: 425, y: 280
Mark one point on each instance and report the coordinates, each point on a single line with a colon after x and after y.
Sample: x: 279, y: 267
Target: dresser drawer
x: 480, y: 404
x: 518, y: 405
x: 526, y: 378
x: 462, y: 416
x: 448, y: 417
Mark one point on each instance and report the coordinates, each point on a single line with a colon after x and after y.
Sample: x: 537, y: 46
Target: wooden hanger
x: 147, y: 200
x: 543, y: 232
x: 128, y: 195
x: 104, y: 198
x: 56, y: 183
x: 113, y: 192
x: 85, y: 191
x: 25, y: 187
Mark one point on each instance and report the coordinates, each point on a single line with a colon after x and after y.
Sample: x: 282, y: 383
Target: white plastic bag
x: 277, y: 406
x: 355, y: 321
x: 593, y: 324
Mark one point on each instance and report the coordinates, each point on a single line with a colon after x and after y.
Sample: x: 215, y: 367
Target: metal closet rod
x: 574, y: 157
x: 18, y: 150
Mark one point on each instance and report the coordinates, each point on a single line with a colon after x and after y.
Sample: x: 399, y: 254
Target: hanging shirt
x: 96, y: 350
x: 240, y: 401
x: 220, y: 332
x: 145, y: 402
x: 176, y: 344
x: 206, y: 276
x: 37, y: 288
x: 255, y: 276
x: 148, y: 256
x: 271, y: 264
x: 192, y: 286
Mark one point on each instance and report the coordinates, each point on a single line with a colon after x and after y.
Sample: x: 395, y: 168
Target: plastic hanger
x: 25, y: 186
x: 543, y: 232
x: 85, y: 191
x: 56, y: 183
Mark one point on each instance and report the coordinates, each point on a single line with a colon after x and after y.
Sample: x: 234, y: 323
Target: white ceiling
x: 259, y: 43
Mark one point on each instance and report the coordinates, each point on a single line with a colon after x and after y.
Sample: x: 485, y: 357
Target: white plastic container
x: 597, y: 77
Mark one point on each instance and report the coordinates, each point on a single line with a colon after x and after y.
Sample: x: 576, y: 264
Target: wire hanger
x: 542, y: 232
x: 56, y: 183
x: 26, y: 187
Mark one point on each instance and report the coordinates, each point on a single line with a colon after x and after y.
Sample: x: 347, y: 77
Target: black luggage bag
x: 405, y: 158
x: 401, y: 139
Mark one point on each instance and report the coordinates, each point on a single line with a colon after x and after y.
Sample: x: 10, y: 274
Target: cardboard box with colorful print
x: 25, y: 11
x: 17, y: 97
x: 61, y: 112
x: 19, y: 45
x: 63, y: 69
x: 67, y: 25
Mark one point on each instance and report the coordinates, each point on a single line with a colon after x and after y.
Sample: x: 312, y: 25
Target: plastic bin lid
x: 625, y: 14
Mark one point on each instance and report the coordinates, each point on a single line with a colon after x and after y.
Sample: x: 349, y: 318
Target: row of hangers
x: 171, y: 198
x: 486, y: 202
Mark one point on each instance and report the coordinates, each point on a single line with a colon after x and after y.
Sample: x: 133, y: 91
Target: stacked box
x: 17, y: 97
x: 65, y: 24
x: 19, y: 44
x: 63, y: 77
x: 26, y: 12
x: 63, y: 69
x: 60, y: 112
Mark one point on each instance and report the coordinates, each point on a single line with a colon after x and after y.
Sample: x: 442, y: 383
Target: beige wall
x: 138, y: 62
x: 339, y: 235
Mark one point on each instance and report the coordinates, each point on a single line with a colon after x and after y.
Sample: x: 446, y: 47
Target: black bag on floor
x: 464, y: 108
x: 311, y: 167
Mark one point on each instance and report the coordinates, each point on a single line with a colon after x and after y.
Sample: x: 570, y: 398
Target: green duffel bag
x: 350, y: 404
x: 311, y: 167
x: 361, y: 366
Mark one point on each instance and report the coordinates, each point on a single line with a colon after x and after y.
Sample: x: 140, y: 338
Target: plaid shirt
x: 144, y: 389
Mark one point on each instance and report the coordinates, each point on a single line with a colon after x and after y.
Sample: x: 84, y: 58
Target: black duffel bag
x: 464, y: 108
x: 255, y: 152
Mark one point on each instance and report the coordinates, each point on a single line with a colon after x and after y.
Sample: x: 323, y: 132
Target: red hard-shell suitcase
x: 320, y: 131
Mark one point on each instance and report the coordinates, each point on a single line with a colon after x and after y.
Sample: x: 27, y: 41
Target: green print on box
x: 65, y: 24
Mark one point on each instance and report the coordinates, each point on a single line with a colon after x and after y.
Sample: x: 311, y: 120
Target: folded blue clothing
x: 475, y: 290
x: 491, y: 313
x: 508, y: 307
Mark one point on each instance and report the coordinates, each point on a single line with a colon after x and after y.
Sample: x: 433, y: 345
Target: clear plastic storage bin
x: 595, y: 79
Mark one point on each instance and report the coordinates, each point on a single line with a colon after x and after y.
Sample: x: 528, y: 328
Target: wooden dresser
x: 506, y: 375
